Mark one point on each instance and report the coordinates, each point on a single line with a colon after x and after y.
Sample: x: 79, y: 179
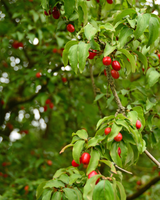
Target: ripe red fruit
x: 70, y: 28
x: 107, y: 60
x: 92, y: 54
x: 138, y: 124
x: 48, y: 101
x: 93, y: 173
x: 139, y: 182
x: 38, y: 74
x: 110, y: 1
x: 15, y: 44
x: 51, y: 105
x: 55, y: 13
x: 4, y: 164
x: 45, y: 108
x: 74, y: 164
x: 119, y: 152
x: 2, y: 102
x: 26, y: 131
x: 114, y: 74
x: 5, y: 175
x: 64, y: 79
x: 97, y: 1
x: 107, y: 130
x: 49, y: 162
x: 85, y: 158
x: 116, y: 65
x: 20, y: 44
x: 105, y: 73
x: 118, y: 138
x: 26, y: 188
x: 159, y: 56
x: 54, y: 50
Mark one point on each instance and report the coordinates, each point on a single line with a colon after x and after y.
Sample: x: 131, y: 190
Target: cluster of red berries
x: 84, y: 159
x: 55, y: 13
x: 48, y: 102
x: 119, y: 137
x: 17, y: 44
x: 115, y: 65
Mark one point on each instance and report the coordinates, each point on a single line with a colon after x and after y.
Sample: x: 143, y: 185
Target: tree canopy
x: 79, y: 99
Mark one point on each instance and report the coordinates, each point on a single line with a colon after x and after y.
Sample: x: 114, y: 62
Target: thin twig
x: 122, y: 170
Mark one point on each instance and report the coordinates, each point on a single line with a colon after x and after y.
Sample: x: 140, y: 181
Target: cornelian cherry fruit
x: 118, y: 138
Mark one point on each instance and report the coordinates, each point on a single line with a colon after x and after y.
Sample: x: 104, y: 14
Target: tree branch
x: 143, y: 188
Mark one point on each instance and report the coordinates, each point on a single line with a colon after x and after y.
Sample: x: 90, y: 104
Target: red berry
x: 74, y: 164
x: 26, y: 131
x: 92, y: 54
x: 26, y: 188
x: 159, y: 56
x: 5, y: 175
x: 49, y: 162
x: 2, y: 102
x: 70, y: 28
x: 64, y: 79
x: 54, y: 50
x: 15, y: 44
x: 97, y: 1
x: 20, y: 44
x: 118, y: 138
x: 38, y: 74
x: 138, y: 124
x: 51, y: 105
x: 142, y: 69
x: 139, y: 183
x: 107, y: 60
x: 116, y: 65
x: 55, y: 13
x: 93, y: 173
x: 4, y: 164
x: 45, y: 108
x: 119, y: 152
x: 159, y: 173
x: 85, y: 158
x: 50, y: 12
x: 110, y: 1
x: 107, y: 130
x: 114, y: 74
x: 48, y: 101
x: 45, y: 12
x: 105, y: 73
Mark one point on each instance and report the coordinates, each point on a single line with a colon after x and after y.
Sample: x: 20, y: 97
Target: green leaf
x: 89, y: 187
x: 122, y: 123
x: 64, y: 178
x: 82, y: 54
x: 109, y: 49
x: 108, y: 27
x: 69, y: 7
x: 121, y: 190
x: 39, y: 190
x: 73, y: 178
x: 123, y: 36
x: 59, y: 172
x: 82, y: 134
x: 152, y: 77
x: 99, y: 96
x: 132, y: 116
x: 44, y: 4
x: 103, y: 120
x: 90, y: 31
x: 65, y: 57
x: 73, y: 57
x: 95, y: 140
x: 57, y: 196
x: 94, y: 160
x: 109, y: 164
x: 70, y: 194
x: 114, y: 154
x: 130, y: 57
x: 142, y: 59
x: 140, y: 112
x: 77, y: 149
x: 115, y: 129
x: 103, y: 191
x: 54, y: 183
x: 153, y: 30
x: 130, y: 155
x: 78, y: 193
x: 149, y: 105
x: 69, y: 44
x: 124, y: 13
x: 84, y: 6
x: 47, y: 194
x: 142, y: 24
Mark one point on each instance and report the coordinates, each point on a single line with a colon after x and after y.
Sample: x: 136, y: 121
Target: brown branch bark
x: 143, y: 188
